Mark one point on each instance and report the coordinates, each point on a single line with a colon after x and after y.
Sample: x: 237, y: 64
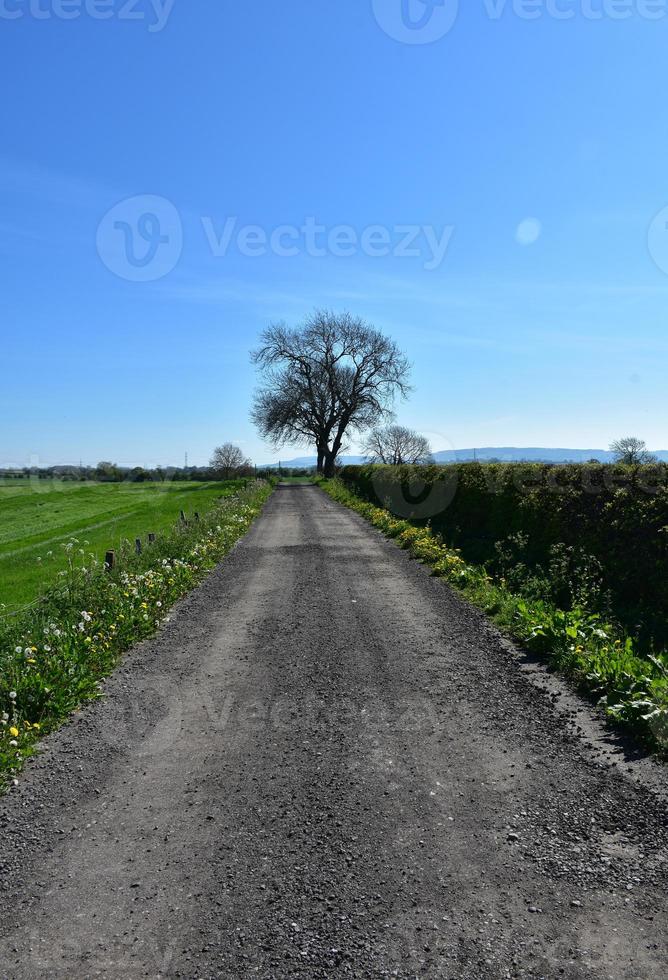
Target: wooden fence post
x: 151, y: 538
x: 138, y: 545
x: 109, y: 560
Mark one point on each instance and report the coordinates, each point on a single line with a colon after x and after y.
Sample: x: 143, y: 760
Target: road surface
x: 327, y: 765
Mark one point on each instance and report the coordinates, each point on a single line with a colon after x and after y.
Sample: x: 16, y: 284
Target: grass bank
x: 38, y: 516
x: 599, y: 657
x: 54, y: 655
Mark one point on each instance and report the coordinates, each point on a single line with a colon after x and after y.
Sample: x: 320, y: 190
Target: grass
x: 601, y: 660
x: 54, y: 655
x: 298, y: 480
x: 38, y: 516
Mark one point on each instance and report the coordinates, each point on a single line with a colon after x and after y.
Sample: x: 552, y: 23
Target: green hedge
x: 594, y: 534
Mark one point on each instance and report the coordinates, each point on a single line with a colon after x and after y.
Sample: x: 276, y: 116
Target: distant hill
x: 540, y: 454
x: 505, y: 454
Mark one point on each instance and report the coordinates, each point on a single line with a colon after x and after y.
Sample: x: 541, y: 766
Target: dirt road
x: 326, y: 765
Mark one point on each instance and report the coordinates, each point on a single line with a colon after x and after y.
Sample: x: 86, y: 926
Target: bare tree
x: 394, y: 444
x: 228, y: 460
x: 632, y: 451
x: 332, y: 375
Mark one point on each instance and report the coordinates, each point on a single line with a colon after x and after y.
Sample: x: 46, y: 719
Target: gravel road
x: 327, y: 765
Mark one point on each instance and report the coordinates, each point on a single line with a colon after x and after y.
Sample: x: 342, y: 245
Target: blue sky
x: 535, y: 151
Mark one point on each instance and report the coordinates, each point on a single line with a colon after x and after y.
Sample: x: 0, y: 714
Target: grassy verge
x: 298, y: 480
x: 36, y: 517
x: 633, y: 689
x: 53, y: 656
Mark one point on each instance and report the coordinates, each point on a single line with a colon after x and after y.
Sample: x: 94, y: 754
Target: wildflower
x: 12, y: 695
x: 14, y: 731
x: 18, y: 649
x: 13, y: 742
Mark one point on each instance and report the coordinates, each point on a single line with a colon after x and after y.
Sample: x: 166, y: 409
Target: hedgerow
x: 596, y: 653
x: 591, y: 534
x: 54, y: 656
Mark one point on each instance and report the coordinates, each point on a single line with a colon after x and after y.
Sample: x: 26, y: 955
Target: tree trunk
x: 331, y: 454
x: 321, y: 459
x: 330, y: 464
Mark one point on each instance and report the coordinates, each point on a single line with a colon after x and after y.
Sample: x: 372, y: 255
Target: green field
x: 38, y: 517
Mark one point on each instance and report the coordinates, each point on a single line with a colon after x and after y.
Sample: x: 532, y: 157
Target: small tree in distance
x: 228, y: 460
x: 396, y: 445
x: 632, y: 451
